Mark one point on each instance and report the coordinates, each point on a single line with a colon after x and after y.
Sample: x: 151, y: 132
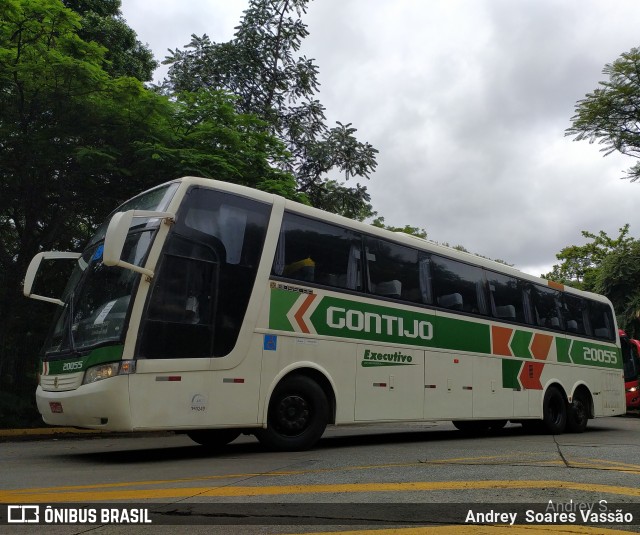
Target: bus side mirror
x: 32, y: 271
x: 116, y: 235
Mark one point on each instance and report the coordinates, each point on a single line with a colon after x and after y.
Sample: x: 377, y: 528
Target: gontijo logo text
x: 369, y: 322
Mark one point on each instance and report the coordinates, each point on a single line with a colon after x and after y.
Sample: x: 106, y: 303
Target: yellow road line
x: 344, y: 488
x: 578, y: 462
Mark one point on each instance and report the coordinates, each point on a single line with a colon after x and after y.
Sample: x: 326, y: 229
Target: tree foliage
x: 610, y: 115
x: 580, y: 264
x: 76, y: 140
x: 263, y: 68
x: 407, y: 229
x: 608, y: 266
x: 619, y: 279
x: 102, y: 23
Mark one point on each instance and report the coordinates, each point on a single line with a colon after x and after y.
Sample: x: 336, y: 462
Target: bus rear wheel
x: 214, y: 438
x: 554, y: 411
x: 577, y: 415
x: 297, y: 417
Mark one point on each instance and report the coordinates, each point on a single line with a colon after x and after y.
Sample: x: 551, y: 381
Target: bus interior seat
x: 506, y: 311
x: 392, y: 288
x: 554, y: 323
x: 602, y: 332
x: 572, y: 326
x: 451, y: 301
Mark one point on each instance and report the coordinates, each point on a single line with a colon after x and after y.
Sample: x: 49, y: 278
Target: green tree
x: 263, y: 68
x: 580, y: 264
x: 610, y: 114
x: 203, y: 135
x: 102, y: 22
x: 407, y: 229
x: 75, y: 142
x: 619, y: 279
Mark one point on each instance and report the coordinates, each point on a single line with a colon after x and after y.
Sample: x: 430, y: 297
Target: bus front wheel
x: 554, y: 411
x: 298, y: 415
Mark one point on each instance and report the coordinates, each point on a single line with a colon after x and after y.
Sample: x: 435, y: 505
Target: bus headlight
x: 104, y: 371
x: 632, y: 389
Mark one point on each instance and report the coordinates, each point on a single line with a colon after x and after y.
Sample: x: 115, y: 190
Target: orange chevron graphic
x: 541, y: 345
x: 300, y: 313
x: 501, y: 337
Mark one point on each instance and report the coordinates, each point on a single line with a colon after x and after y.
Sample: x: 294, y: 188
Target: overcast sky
x: 467, y: 102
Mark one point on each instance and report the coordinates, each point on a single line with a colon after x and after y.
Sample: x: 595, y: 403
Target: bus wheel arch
x: 579, y: 410
x: 300, y: 406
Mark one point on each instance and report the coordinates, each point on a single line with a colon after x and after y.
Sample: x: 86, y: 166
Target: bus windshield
x: 96, y: 299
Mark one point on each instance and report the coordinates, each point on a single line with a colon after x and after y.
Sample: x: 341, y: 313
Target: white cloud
x: 467, y: 102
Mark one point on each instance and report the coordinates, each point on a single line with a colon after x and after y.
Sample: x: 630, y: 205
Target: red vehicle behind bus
x: 631, y: 359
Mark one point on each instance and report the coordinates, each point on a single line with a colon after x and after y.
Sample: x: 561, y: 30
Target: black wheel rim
x: 292, y: 415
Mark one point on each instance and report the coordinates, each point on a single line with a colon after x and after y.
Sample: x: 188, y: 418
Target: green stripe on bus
x: 281, y: 304
x: 344, y: 318
x: 562, y: 349
x: 520, y: 344
x: 102, y: 355
x: 510, y: 373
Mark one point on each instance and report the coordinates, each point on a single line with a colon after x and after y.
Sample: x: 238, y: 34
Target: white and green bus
x: 213, y: 309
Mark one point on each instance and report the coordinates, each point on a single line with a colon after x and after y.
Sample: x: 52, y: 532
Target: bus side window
x: 601, y: 320
x: 546, y: 307
x: 313, y: 251
x: 506, y: 298
x: 574, y: 313
x: 393, y: 270
x: 459, y: 286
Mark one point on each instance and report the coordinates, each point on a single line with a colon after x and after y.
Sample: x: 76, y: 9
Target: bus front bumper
x: 100, y: 405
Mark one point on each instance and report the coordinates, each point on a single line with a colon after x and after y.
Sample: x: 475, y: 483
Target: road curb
x: 46, y: 432
x: 43, y: 433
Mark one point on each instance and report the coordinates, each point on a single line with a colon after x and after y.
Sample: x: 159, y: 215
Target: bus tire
x: 554, y: 411
x: 214, y: 438
x: 577, y: 415
x: 297, y: 417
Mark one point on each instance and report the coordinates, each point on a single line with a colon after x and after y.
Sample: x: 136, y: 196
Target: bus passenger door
x: 389, y: 383
x: 448, y: 386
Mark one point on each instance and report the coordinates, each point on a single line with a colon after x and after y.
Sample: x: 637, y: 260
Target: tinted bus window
x: 546, y: 307
x: 312, y: 251
x: 394, y: 271
x: 205, y: 276
x: 601, y: 320
x: 458, y: 286
x: 575, y: 314
x: 506, y: 297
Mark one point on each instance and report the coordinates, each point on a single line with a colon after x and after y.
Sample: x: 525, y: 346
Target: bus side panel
x: 612, y: 399
x: 490, y: 398
x: 174, y: 394
x: 448, y: 380
x: 389, y: 383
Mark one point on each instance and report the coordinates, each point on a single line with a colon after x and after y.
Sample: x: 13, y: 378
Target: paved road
x: 414, y: 477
